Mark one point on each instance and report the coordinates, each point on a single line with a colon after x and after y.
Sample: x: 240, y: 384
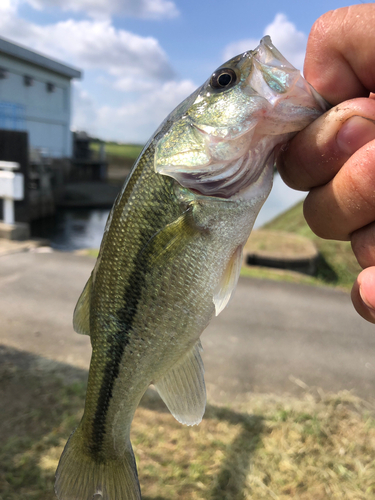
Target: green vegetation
x: 313, y: 448
x: 120, y: 158
x: 337, y: 265
x: 118, y: 150
x: 265, y: 273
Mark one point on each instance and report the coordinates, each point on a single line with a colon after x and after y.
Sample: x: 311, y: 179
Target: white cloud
x: 115, y: 62
x: 8, y: 5
x: 149, y: 9
x: 136, y: 122
x: 161, y: 101
x: 236, y: 48
x: 285, y: 36
x: 85, y: 114
x: 93, y: 45
x: 132, y: 122
x: 288, y: 40
x: 129, y: 84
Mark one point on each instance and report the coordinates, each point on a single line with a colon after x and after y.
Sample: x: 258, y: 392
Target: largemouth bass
x: 171, y: 256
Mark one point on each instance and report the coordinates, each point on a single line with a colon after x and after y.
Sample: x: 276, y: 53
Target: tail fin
x: 79, y: 477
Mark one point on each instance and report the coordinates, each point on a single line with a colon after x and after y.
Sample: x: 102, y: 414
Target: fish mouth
x: 279, y: 77
x: 224, y: 151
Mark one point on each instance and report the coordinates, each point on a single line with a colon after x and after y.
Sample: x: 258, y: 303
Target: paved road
x: 273, y: 337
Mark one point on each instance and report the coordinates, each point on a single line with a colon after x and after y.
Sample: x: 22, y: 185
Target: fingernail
x: 355, y: 133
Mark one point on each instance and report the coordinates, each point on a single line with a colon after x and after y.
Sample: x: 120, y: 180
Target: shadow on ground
x: 325, y: 272
x: 42, y: 402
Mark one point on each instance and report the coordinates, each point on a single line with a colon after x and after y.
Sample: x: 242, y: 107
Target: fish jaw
x: 294, y: 102
x: 222, y: 142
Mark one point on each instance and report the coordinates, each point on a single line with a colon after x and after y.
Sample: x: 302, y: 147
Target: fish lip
x: 266, y: 44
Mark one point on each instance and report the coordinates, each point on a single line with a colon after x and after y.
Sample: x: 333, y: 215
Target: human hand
x: 334, y: 157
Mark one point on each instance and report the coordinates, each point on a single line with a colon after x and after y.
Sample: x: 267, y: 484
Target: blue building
x: 35, y: 96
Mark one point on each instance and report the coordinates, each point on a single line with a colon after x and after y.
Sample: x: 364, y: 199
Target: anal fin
x: 81, y: 316
x: 228, y: 282
x: 183, y: 389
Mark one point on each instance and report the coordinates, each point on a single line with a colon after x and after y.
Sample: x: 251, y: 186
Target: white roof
x: 14, y: 50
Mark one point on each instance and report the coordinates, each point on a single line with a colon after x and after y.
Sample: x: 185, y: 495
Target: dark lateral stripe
x: 125, y: 317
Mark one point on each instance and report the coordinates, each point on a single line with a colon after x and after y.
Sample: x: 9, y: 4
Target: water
x: 72, y: 229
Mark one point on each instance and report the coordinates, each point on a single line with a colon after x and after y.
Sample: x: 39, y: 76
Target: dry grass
x: 314, y: 448
x: 279, y: 244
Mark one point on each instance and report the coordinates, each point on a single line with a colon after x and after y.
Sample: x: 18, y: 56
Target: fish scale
x: 170, y: 259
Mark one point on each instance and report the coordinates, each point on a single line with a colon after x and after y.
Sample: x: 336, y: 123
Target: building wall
x: 42, y: 109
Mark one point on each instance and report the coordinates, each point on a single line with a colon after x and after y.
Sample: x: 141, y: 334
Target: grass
x: 337, y: 264
x: 315, y: 448
x: 117, y: 154
x: 281, y: 275
x: 129, y: 151
x: 120, y: 158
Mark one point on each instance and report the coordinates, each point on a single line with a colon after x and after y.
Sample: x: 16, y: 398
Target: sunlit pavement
x: 273, y: 337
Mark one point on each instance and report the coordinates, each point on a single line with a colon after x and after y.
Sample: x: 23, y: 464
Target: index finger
x: 340, y: 60
x: 315, y: 155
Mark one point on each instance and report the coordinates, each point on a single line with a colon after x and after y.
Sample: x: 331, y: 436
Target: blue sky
x: 140, y: 58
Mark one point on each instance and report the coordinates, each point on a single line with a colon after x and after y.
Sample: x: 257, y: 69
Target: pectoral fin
x: 169, y: 241
x: 183, y: 389
x: 81, y: 316
x: 228, y: 282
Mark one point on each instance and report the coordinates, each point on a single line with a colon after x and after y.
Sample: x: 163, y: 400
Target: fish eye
x: 223, y: 79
